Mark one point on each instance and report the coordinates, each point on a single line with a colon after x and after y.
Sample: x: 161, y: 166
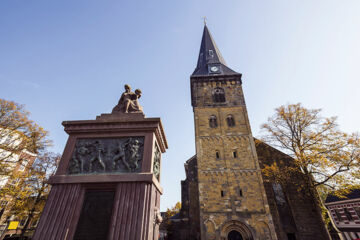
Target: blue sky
x: 69, y: 60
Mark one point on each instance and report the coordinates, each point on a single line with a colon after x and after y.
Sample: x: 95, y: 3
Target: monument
x: 107, y: 185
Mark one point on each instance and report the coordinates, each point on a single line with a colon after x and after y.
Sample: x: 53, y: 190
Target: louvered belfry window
x: 219, y: 95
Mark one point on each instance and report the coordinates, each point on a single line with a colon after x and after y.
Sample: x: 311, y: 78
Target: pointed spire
x: 210, y: 60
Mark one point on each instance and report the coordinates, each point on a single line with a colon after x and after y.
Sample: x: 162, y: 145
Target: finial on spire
x: 205, y: 20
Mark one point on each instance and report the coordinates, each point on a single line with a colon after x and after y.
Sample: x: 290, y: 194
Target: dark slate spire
x: 210, y: 61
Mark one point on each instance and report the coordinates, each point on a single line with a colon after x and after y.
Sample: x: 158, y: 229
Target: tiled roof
x: 209, y: 56
x: 353, y: 195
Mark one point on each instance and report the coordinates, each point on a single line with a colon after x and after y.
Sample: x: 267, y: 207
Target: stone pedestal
x: 107, y: 185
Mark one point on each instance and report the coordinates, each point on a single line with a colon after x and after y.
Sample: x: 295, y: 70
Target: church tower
x: 232, y: 198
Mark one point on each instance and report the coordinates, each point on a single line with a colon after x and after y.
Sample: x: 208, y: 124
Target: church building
x: 225, y: 195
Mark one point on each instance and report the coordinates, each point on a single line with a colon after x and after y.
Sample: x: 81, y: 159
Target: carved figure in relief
x: 119, y: 155
x: 106, y: 155
x: 132, y: 153
x: 129, y: 102
x: 82, y: 152
x: 74, y: 166
x: 157, y: 217
x: 96, y: 162
x: 77, y: 163
x: 156, y: 166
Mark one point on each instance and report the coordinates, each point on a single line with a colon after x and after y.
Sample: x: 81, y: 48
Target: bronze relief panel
x: 156, y: 165
x: 107, y: 155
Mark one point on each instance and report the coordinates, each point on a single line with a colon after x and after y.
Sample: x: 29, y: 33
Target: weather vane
x: 204, y: 20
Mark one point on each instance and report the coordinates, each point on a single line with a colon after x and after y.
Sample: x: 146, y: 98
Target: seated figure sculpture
x: 128, y: 102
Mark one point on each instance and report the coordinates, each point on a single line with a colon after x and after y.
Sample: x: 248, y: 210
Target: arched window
x: 230, y: 121
x: 219, y: 95
x: 213, y: 121
x: 234, y: 235
x: 217, y: 154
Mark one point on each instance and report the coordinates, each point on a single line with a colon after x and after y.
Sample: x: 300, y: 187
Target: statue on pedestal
x: 128, y: 102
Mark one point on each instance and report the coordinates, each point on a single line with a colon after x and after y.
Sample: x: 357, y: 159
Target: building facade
x: 345, y: 214
x: 225, y: 195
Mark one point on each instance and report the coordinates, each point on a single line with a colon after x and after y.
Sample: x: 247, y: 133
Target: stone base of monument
x: 107, y: 185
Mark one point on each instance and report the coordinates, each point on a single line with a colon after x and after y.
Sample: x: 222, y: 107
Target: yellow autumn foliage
x: 18, y: 133
x: 328, y: 157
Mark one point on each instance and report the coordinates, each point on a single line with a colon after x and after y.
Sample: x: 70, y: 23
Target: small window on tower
x: 211, y: 53
x: 234, y: 154
x: 217, y: 155
x: 230, y: 121
x: 240, y: 192
x: 219, y: 95
x: 222, y: 193
x: 213, y: 121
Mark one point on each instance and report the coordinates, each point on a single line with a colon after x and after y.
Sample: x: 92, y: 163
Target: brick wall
x: 302, y: 217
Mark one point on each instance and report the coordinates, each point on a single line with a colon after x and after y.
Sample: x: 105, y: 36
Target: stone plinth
x: 107, y: 185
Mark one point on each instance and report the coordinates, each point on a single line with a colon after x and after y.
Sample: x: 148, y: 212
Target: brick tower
x: 232, y: 198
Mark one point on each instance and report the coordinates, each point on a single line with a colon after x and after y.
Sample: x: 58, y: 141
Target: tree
x: 172, y: 211
x: 18, y: 133
x: 328, y: 157
x: 29, y: 194
x: 22, y: 142
x: 167, y: 224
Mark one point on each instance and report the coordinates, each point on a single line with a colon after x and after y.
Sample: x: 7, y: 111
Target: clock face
x: 214, y: 69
